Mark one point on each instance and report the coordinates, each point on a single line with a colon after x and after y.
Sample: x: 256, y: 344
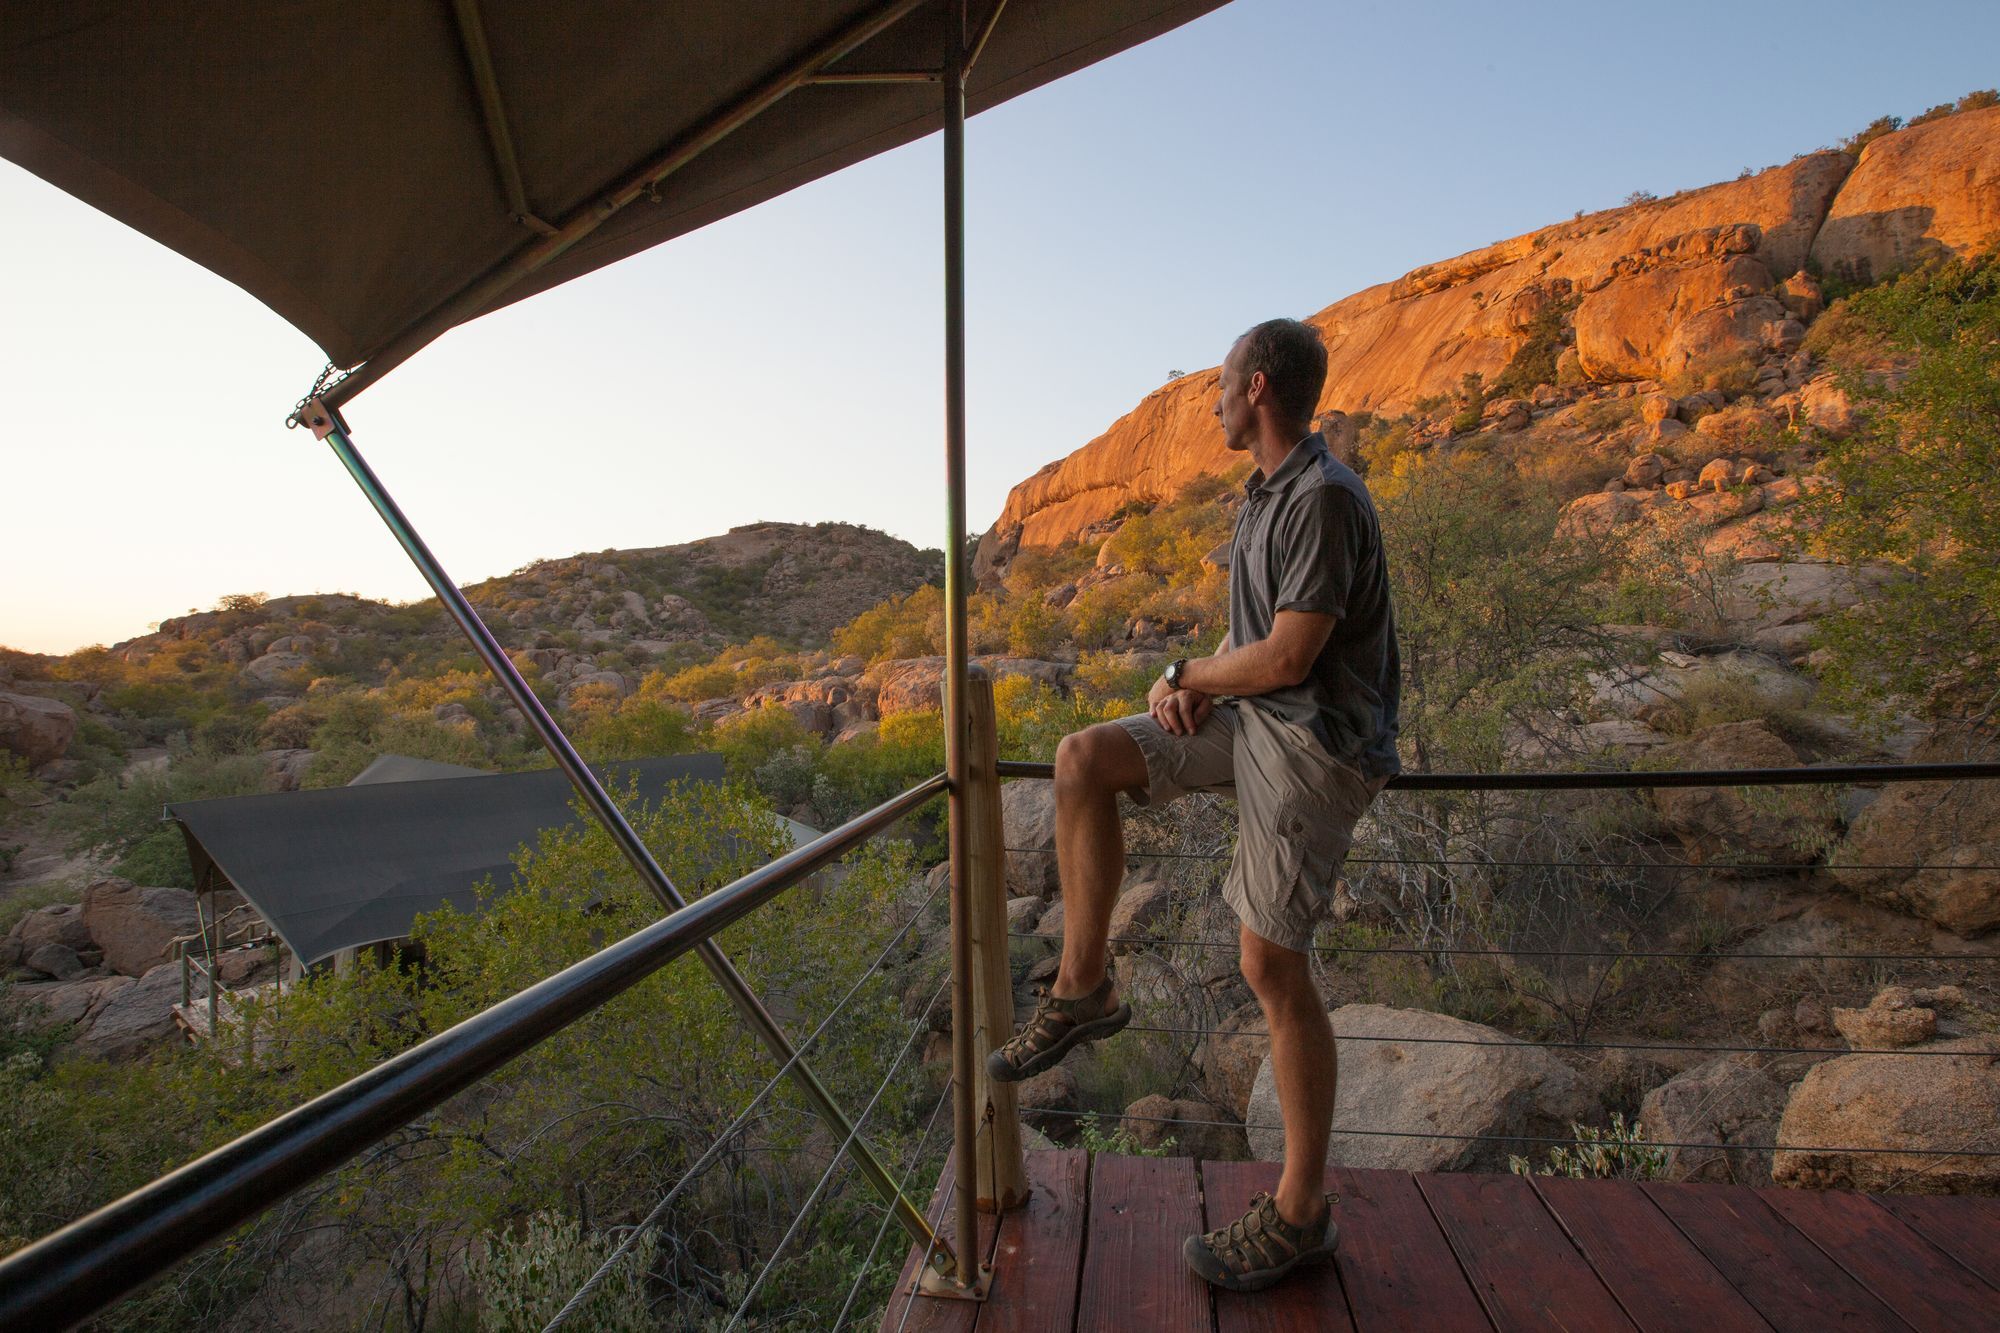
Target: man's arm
x: 1282, y: 660
x: 1276, y: 663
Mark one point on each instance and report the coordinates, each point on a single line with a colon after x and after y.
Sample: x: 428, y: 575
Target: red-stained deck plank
x: 1039, y: 1256
x: 1778, y: 1270
x: 1524, y: 1269
x: 1661, y: 1279
x: 1308, y: 1300
x: 1967, y: 1229
x: 929, y: 1314
x: 1395, y: 1264
x: 1909, y: 1274
x: 1141, y: 1210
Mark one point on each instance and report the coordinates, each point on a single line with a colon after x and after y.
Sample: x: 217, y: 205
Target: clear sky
x: 784, y: 364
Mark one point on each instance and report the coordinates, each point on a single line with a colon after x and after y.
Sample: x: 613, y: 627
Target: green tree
x: 1917, y: 488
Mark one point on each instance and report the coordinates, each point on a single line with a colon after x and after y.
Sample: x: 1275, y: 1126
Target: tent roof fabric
x: 402, y: 768
x: 346, y: 866
x: 336, y: 162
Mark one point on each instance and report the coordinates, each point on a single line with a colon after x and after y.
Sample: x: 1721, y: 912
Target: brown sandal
x: 1260, y: 1247
x: 1047, y: 1038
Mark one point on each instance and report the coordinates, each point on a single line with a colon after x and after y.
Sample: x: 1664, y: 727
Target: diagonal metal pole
x: 326, y: 423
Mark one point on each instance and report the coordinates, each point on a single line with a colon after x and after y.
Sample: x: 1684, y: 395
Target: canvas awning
x: 371, y: 171
x: 345, y: 866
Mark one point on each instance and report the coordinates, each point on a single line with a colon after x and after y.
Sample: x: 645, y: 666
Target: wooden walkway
x: 1097, y: 1250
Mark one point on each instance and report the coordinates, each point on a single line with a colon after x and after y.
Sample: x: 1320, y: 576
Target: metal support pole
x: 326, y: 423
x: 965, y: 1128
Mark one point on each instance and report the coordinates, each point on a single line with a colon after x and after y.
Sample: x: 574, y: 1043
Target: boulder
x: 1645, y: 470
x: 1744, y: 979
x: 1951, y: 829
x: 1500, y: 1087
x: 1717, y: 475
x: 54, y: 960
x: 1802, y: 296
x: 1828, y: 408
x: 1049, y: 925
x: 1598, y: 513
x: 1762, y: 594
x: 1905, y: 1107
x: 912, y: 684
x: 1657, y: 407
x: 67, y: 1004
x: 1229, y: 1062
x: 1024, y: 912
x: 288, y: 767
x: 1197, y: 1129
x: 134, y: 1018
x: 37, y: 729
x: 136, y: 927
x: 1892, y: 1019
x: 1051, y: 1090
x: 1140, y: 910
x: 825, y: 705
x: 59, y: 923
x: 1028, y: 829
x: 1739, y: 824
x: 1930, y: 190
x: 272, y: 669
x: 1726, y: 1102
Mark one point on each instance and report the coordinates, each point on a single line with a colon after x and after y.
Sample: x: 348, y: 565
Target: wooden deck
x: 1097, y: 1250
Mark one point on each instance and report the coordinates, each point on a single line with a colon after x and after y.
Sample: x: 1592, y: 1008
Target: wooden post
x: 1003, y: 1180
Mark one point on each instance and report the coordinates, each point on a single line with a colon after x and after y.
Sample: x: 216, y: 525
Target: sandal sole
x: 1096, y: 1029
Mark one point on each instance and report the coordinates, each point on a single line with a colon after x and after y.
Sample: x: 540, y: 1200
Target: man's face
x: 1232, y: 402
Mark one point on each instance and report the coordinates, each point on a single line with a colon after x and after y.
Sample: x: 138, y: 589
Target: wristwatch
x: 1174, y: 670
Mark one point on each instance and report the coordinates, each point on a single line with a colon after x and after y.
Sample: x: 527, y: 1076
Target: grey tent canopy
x: 377, y: 173
x: 346, y: 866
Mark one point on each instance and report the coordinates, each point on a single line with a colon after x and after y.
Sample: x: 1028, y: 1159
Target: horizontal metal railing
x: 74, y: 1272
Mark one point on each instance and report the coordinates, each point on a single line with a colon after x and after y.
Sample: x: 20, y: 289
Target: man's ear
x: 1255, y: 388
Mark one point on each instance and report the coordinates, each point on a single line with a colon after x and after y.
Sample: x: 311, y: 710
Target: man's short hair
x: 1293, y: 360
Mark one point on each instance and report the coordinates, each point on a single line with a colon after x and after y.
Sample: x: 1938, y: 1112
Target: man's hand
x: 1179, y: 712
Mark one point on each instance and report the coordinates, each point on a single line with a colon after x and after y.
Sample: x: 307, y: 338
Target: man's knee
x: 1101, y: 757
x: 1276, y: 975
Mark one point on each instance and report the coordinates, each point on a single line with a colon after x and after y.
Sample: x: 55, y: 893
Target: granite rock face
x: 1666, y: 286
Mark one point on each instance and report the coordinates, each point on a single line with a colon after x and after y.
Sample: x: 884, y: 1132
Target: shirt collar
x: 1295, y: 463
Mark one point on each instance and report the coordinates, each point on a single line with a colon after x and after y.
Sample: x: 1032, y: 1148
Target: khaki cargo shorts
x: 1296, y: 809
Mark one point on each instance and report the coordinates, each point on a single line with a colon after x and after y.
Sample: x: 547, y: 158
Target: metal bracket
x: 939, y: 1287
x: 320, y: 419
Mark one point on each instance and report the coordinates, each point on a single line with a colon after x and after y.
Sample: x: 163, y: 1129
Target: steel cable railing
x: 1822, y: 775
x: 630, y: 1240
x: 909, y: 1171
x: 840, y: 1155
x: 1421, y: 950
x: 1519, y: 1045
x: 1532, y: 1138
x: 1477, y: 863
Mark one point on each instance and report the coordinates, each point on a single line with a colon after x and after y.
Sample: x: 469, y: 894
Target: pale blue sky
x: 784, y: 363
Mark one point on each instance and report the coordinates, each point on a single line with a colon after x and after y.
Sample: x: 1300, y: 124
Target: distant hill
x: 793, y: 582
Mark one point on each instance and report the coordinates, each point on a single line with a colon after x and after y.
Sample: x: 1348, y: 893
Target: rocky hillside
x: 1658, y: 289
x: 794, y: 582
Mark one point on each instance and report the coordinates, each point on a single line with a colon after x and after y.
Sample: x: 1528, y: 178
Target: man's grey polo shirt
x: 1308, y: 539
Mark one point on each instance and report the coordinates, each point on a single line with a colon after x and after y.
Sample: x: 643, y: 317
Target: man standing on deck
x: 1296, y: 713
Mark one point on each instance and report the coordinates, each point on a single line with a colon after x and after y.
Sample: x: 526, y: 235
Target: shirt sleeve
x: 1317, y: 553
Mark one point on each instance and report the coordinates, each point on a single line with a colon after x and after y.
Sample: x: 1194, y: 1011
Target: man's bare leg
x: 1302, y: 1065
x: 1092, y: 767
